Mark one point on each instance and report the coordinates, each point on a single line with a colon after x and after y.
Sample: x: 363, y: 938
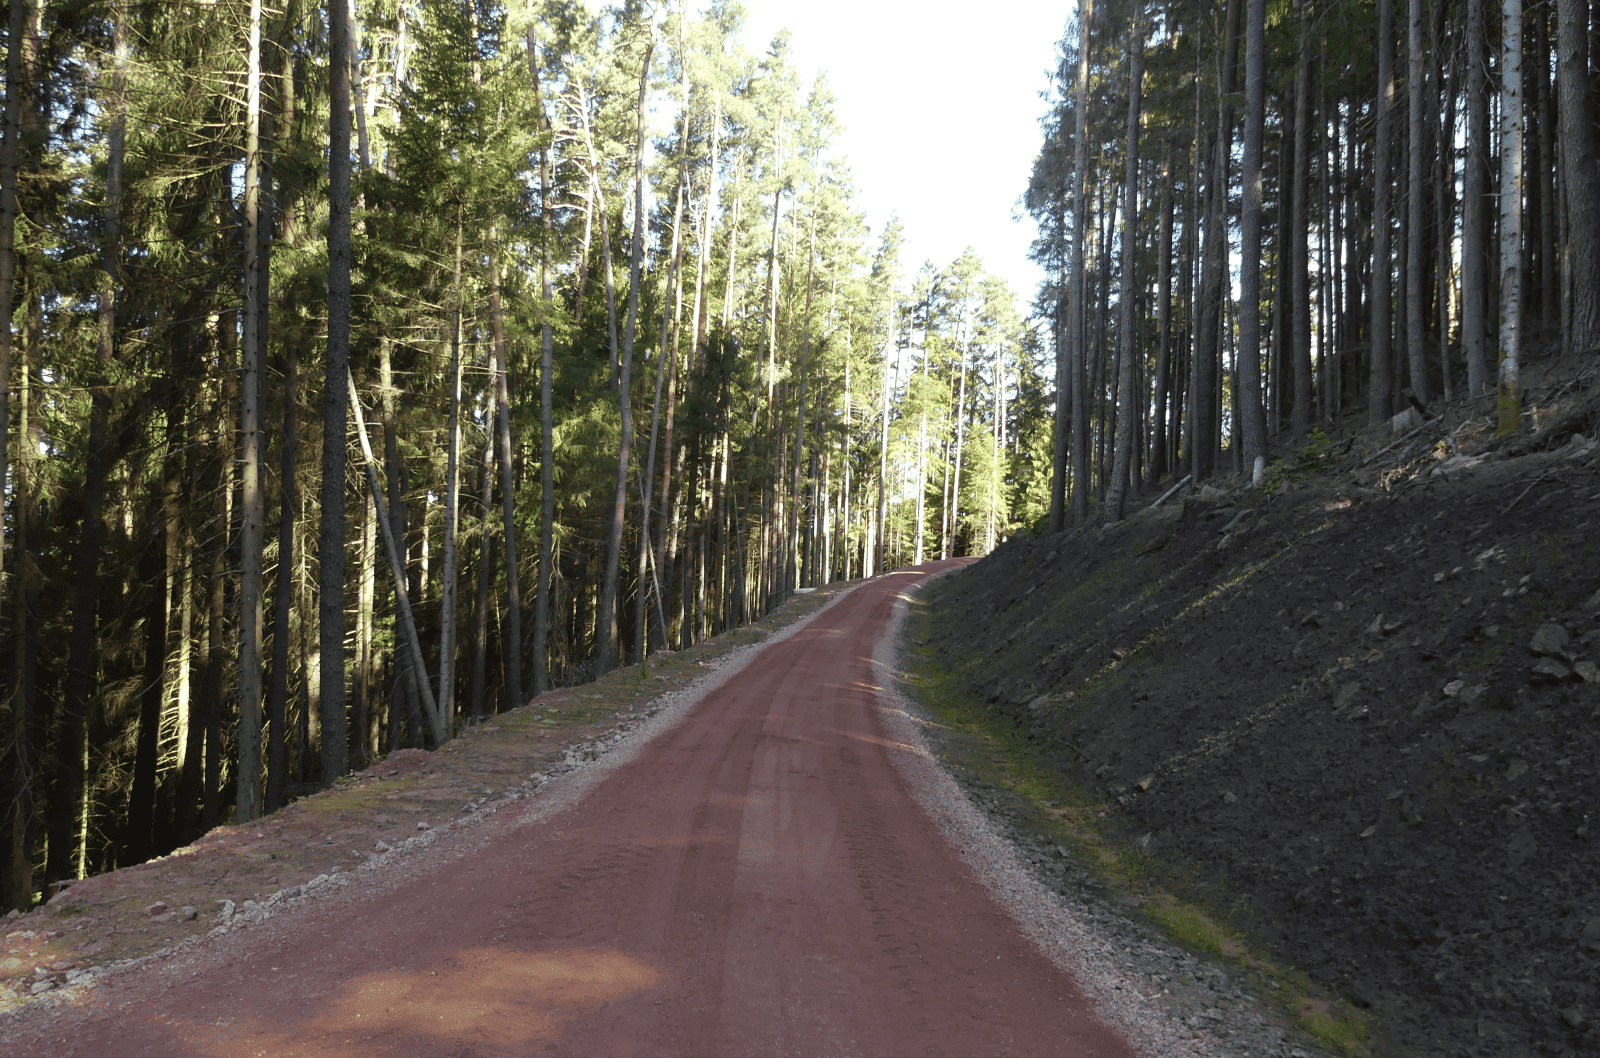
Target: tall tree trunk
x: 480, y: 611
x: 1444, y: 198
x: 1510, y: 383
x: 508, y: 486
x: 1299, y: 228
x: 407, y: 637
x: 1474, y: 218
x: 445, y: 699
x: 1380, y: 377
x: 283, y: 584
x: 1077, y: 309
x: 1157, y: 463
x: 1127, y: 348
x: 330, y: 542
x: 1253, y: 423
x: 1580, y: 175
x: 606, y: 629
x: 8, y: 226
x: 1416, y: 199
x: 1204, y: 389
x: 67, y: 807
x: 252, y: 530
x: 666, y: 357
x: 16, y: 870
x: 547, y: 498
x: 889, y: 349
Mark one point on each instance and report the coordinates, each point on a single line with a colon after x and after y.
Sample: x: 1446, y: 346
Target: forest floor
x: 1342, y: 731
x: 121, y: 917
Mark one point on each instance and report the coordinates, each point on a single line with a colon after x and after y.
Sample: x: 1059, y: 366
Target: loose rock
x: 1550, y: 640
x: 1549, y: 670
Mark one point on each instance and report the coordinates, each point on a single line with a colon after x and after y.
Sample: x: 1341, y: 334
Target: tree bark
x: 1380, y: 377
x: 1510, y: 383
x: 409, y: 640
x: 67, y: 806
x: 1204, y: 391
x: 330, y: 542
x: 547, y: 498
x: 606, y: 628
x: 1157, y: 463
x: 445, y: 699
x: 1474, y: 219
x: 1416, y: 199
x: 480, y: 630
x: 1253, y: 423
x: 1581, y: 176
x: 1130, y: 401
x: 508, y: 486
x: 8, y: 226
x: 1076, y: 308
x: 252, y: 529
x: 1299, y: 226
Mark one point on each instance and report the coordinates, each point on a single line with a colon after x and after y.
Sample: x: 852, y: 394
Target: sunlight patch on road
x: 481, y: 997
x: 886, y: 743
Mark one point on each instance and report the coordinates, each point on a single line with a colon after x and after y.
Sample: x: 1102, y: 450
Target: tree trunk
x: 1416, y: 199
x: 408, y: 638
x: 881, y: 563
x: 1510, y: 384
x: 1157, y: 463
x: 547, y: 453
x: 606, y: 628
x: 480, y: 629
x: 1253, y: 423
x: 1380, y: 378
x: 1127, y: 347
x: 67, y: 808
x: 330, y: 543
x: 8, y: 226
x: 445, y: 699
x: 1299, y: 226
x: 1204, y: 389
x: 1076, y: 310
x: 1580, y: 175
x: 252, y: 530
x: 1474, y: 219
x: 508, y: 486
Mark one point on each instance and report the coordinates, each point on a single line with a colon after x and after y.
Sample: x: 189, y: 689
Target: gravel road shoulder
x: 1167, y: 1000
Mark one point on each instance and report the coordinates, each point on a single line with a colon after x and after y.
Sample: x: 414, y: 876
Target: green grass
x: 1189, y: 926
x: 1339, y: 1027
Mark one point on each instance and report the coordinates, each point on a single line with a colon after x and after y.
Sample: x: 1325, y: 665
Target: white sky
x: 940, y: 107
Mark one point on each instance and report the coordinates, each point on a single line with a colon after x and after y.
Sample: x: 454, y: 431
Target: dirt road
x: 756, y: 881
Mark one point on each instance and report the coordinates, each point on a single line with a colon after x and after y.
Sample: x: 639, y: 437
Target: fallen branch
x: 1396, y: 443
x: 1531, y: 485
x: 1165, y: 496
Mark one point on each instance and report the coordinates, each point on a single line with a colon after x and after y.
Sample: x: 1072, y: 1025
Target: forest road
x: 757, y: 881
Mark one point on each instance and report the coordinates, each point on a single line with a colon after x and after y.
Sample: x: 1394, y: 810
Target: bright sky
x: 940, y: 104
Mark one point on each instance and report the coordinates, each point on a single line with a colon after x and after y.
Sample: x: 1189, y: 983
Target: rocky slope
x: 1357, y: 710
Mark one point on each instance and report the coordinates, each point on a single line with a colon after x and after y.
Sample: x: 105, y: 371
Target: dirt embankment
x: 1358, y: 711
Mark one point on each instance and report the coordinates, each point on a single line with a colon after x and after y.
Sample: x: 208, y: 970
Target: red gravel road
x: 756, y: 882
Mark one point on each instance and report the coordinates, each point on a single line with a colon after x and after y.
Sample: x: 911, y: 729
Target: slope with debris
x: 1355, y: 709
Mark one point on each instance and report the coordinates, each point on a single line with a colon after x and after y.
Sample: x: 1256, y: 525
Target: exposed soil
x: 1355, y: 711
x: 132, y: 913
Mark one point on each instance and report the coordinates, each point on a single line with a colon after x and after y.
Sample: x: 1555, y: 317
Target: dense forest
x: 614, y: 363
x: 1262, y: 220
